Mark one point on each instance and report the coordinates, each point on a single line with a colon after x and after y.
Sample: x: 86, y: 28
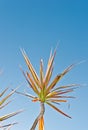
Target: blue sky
x: 37, y: 26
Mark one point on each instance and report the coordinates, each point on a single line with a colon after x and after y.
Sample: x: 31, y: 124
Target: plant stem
x: 42, y: 110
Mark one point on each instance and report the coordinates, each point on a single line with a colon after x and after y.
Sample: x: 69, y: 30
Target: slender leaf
x: 2, y: 106
x: 49, y: 66
x: 66, y: 86
x: 9, y: 115
x: 56, y: 100
x: 8, y: 125
x: 1, y: 94
x: 33, y: 72
x: 58, y: 110
x: 41, y: 72
x: 58, y: 77
x: 5, y: 98
x: 34, y: 87
x: 26, y: 94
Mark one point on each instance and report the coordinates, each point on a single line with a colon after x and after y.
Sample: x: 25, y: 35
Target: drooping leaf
x: 66, y: 91
x: 56, y: 96
x: 58, y: 110
x: 26, y: 94
x: 66, y: 86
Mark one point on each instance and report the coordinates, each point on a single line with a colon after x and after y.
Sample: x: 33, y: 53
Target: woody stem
x: 42, y: 110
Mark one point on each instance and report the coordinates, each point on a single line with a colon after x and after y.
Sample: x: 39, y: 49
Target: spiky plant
x: 4, y: 103
x: 8, y: 126
x: 46, y: 90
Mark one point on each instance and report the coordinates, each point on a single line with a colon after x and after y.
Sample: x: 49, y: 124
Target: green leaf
x: 10, y: 115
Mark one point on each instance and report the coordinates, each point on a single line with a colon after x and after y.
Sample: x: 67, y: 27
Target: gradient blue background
x: 37, y: 26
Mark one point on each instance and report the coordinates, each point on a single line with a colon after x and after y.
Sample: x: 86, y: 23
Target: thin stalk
x: 42, y: 110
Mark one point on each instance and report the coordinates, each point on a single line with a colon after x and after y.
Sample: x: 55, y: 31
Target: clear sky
x: 37, y: 26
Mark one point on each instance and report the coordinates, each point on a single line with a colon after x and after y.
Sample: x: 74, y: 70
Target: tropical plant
x: 46, y: 90
x: 3, y: 104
